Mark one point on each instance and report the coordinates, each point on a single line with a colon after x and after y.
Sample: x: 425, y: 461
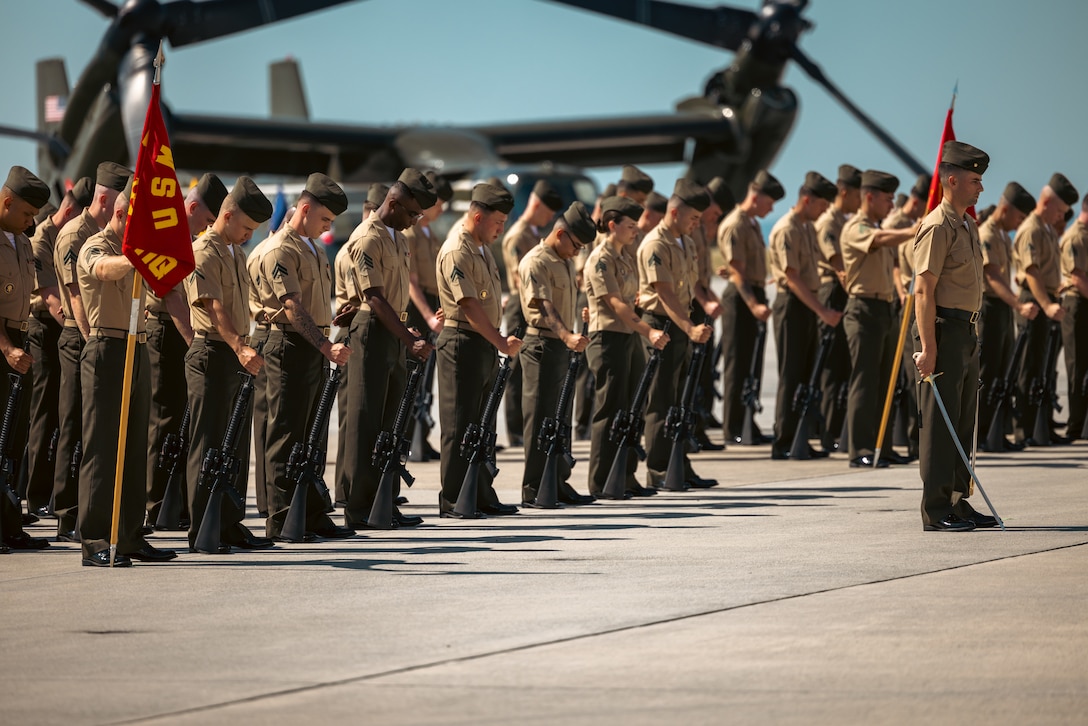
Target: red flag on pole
x: 157, y: 234
x: 936, y: 191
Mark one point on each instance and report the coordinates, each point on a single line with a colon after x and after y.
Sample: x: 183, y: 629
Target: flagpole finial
x: 955, y: 92
x: 160, y: 61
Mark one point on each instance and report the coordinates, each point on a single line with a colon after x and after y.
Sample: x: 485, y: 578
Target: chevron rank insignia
x: 602, y: 267
x: 456, y: 274
x: 654, y: 260
x: 279, y: 271
x: 70, y: 257
x: 368, y: 261
x: 199, y: 274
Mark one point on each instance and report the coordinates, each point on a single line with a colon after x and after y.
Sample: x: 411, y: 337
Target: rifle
x: 680, y: 424
x: 749, y: 392
x: 422, y: 408
x: 8, y: 466
x: 478, y: 443
x: 554, y: 437
x: 220, y: 467
x: 627, y: 427
x: 1000, y: 395
x: 806, y: 398
x: 1043, y: 395
x: 391, y: 450
x: 172, y: 457
x: 306, y: 464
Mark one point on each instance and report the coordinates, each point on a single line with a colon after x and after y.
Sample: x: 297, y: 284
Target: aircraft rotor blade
x: 186, y: 22
x: 105, y: 7
x: 722, y: 26
x: 816, y: 73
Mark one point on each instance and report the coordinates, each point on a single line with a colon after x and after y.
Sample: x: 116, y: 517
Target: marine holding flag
x: 146, y: 233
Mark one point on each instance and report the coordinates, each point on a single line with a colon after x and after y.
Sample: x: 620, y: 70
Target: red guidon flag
x: 157, y: 234
x: 936, y: 191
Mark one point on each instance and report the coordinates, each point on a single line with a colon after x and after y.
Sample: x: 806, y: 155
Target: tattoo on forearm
x: 303, y: 323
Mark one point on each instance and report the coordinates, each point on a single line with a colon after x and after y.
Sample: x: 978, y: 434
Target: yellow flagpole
x: 908, y: 309
x: 126, y: 395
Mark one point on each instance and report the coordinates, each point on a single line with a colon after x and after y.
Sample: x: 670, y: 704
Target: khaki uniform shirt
x: 793, y: 244
x: 45, y: 274
x: 16, y: 278
x: 1036, y: 244
x: 379, y: 259
x: 905, y: 251
x: 948, y: 246
x: 423, y: 244
x: 70, y: 241
x: 662, y: 259
x: 869, y: 270
x: 108, y: 302
x: 253, y: 268
x: 828, y: 233
x: 516, y: 243
x: 609, y: 272
x: 996, y: 250
x: 545, y: 276
x: 289, y: 266
x: 346, y: 294
x: 702, y: 256
x: 463, y: 271
x: 1074, y: 247
x: 219, y: 275
x: 739, y: 238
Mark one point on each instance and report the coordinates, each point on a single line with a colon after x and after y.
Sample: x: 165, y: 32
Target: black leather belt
x: 957, y: 314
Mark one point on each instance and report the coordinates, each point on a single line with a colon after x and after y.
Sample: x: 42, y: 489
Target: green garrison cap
x: 879, y: 180
x: 212, y: 192
x: 921, y: 186
x: 44, y: 212
x: 548, y: 194
x: 692, y: 194
x: 251, y: 200
x: 657, y: 202
x: 850, y: 176
x: 496, y: 182
x: 27, y: 187
x: 900, y: 199
x: 493, y: 196
x: 609, y: 191
x: 580, y: 223
x: 83, y: 192
x: 623, y: 205
x: 720, y: 192
x: 1019, y: 197
x: 328, y: 192
x: 818, y: 185
x: 764, y: 183
x: 636, y: 179
x: 112, y: 176
x: 965, y: 156
x: 376, y: 193
x: 441, y: 187
x: 1064, y: 189
x: 420, y: 186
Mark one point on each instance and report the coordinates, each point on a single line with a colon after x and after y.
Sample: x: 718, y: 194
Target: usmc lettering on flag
x: 157, y: 234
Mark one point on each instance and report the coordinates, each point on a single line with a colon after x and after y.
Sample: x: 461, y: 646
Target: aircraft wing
x: 367, y: 153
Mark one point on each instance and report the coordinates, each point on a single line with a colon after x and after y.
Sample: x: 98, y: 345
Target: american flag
x: 54, y: 108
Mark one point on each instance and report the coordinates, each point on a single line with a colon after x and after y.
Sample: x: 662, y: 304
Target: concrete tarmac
x: 794, y: 592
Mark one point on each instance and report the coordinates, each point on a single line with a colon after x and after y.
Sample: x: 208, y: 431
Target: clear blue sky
x: 1020, y: 67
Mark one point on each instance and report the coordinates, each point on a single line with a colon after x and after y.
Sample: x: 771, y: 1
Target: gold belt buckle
x: 25, y: 326
x: 325, y: 330
x: 404, y: 317
x: 141, y: 337
x: 975, y: 316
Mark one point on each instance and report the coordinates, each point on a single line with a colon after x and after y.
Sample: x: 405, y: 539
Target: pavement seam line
x: 569, y: 639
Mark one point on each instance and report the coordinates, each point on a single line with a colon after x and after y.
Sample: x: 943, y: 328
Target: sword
x: 932, y: 380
